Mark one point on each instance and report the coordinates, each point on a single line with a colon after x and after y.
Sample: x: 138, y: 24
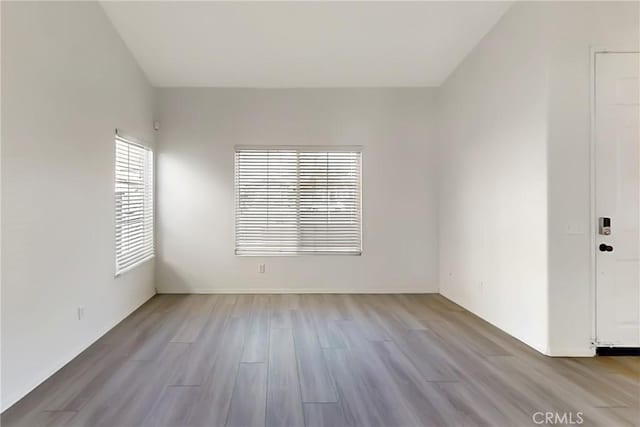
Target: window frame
x: 120, y: 136
x: 309, y: 148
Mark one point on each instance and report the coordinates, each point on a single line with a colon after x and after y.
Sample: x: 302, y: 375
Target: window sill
x: 271, y: 254
x: 132, y: 266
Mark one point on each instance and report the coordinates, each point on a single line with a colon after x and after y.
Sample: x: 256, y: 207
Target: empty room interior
x: 320, y: 213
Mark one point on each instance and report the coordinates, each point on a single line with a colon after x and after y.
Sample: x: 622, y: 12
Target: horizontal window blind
x: 300, y: 200
x: 133, y: 204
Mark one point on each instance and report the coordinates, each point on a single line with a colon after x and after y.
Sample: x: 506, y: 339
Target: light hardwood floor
x: 322, y: 360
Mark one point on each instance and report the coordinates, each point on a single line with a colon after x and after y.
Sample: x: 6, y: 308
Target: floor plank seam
x: 359, y: 360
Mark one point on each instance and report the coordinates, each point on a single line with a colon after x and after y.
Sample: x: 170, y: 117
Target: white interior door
x: 617, y: 197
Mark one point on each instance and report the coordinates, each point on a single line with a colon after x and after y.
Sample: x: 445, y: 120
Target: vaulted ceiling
x: 301, y: 44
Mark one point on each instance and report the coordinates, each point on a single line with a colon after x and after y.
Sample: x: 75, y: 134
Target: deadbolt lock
x: 604, y: 226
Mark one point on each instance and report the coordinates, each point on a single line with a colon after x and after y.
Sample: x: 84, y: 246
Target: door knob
x: 605, y: 248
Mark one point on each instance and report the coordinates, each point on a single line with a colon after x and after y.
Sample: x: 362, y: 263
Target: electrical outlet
x: 80, y: 313
x: 261, y: 268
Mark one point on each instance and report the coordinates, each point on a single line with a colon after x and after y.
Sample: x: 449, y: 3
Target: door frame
x: 593, y: 52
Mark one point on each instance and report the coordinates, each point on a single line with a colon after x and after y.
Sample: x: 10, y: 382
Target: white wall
x: 573, y: 29
x: 68, y: 81
x: 493, y: 208
x: 515, y: 196
x: 199, y: 128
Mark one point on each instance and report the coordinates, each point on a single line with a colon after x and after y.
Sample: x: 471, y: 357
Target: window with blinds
x: 133, y: 204
x: 298, y: 200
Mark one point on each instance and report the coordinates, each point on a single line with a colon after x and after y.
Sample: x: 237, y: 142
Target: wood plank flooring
x: 323, y: 360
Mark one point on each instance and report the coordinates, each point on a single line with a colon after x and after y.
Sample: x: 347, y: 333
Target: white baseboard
x: 542, y: 349
x: 44, y: 375
x: 572, y: 352
x: 295, y: 291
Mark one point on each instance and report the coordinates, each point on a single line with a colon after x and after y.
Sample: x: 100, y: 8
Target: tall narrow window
x: 134, y: 204
x: 298, y: 200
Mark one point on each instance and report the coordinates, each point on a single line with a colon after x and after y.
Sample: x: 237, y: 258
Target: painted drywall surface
x: 195, y: 170
x: 493, y: 183
x: 301, y: 44
x: 68, y: 81
x: 530, y: 75
x: 574, y: 29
